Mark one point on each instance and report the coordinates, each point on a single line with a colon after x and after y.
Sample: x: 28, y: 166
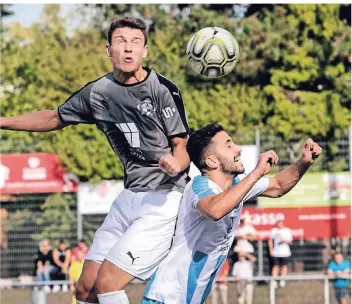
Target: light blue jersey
x: 200, y: 246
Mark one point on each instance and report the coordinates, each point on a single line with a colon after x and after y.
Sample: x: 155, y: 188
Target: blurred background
x: 292, y: 81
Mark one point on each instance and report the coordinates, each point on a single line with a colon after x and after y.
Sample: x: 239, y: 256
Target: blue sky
x: 26, y: 14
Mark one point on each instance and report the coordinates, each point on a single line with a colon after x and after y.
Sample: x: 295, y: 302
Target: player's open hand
x: 311, y: 151
x: 265, y: 161
x: 169, y: 164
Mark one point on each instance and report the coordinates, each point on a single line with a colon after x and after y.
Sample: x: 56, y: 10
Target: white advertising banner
x: 98, y: 198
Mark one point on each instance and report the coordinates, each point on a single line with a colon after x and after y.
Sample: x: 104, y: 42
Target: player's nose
x: 238, y: 149
x: 128, y: 47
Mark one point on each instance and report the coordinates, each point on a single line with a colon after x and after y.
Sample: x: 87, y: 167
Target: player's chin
x: 128, y: 68
x: 240, y: 169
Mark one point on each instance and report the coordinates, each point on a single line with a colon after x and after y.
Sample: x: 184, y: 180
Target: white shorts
x: 137, y: 232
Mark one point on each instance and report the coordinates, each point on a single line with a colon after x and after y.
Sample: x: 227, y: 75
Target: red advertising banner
x: 34, y: 173
x: 306, y: 223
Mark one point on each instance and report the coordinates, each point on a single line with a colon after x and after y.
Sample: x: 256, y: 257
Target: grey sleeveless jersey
x: 139, y: 120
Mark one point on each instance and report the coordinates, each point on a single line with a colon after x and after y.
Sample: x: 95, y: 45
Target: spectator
x: 244, y: 234
x: 44, y: 264
x: 339, y: 268
x: 81, y: 246
x: 243, y: 273
x: 62, y: 259
x: 220, y: 287
x: 75, y: 272
x: 279, y: 248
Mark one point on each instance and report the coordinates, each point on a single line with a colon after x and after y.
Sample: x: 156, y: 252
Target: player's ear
x: 145, y: 51
x: 212, y: 162
x: 107, y: 48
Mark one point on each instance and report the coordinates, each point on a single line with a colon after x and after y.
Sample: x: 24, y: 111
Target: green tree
x: 58, y: 218
x: 49, y: 67
x: 293, y: 75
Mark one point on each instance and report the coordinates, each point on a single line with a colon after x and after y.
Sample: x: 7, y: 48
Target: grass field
x: 303, y: 292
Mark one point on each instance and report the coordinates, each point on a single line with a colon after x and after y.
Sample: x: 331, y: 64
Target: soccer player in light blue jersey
x: 210, y: 211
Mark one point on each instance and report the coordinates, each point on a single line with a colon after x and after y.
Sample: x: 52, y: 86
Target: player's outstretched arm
x: 217, y: 206
x: 41, y: 121
x: 285, y: 180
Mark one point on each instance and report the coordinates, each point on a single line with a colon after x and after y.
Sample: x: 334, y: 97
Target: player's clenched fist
x: 265, y: 161
x: 169, y: 164
x: 311, y: 151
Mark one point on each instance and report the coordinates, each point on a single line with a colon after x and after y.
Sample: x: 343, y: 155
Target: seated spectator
x: 45, y: 265
x: 62, y: 259
x: 339, y: 269
x: 75, y: 272
x: 244, y: 234
x: 279, y: 248
x: 220, y: 287
x: 243, y: 273
x: 81, y: 246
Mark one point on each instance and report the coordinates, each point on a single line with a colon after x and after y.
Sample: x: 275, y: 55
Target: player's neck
x: 224, y: 181
x: 130, y: 78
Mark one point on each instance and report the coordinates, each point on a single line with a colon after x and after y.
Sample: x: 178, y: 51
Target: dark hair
x: 199, y: 142
x: 129, y: 22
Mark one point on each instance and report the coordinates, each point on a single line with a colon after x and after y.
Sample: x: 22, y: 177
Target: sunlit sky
x: 26, y: 14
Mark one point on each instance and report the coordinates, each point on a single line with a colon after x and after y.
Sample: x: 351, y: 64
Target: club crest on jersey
x: 146, y: 107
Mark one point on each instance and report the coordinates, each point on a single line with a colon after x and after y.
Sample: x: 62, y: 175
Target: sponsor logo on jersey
x: 131, y: 133
x: 146, y: 107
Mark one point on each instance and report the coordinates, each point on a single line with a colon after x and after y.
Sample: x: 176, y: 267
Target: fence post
x: 272, y: 291
x: 326, y: 291
x: 79, y: 221
x: 38, y: 296
x: 260, y: 258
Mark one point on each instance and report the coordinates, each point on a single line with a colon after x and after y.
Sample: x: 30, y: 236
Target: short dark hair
x: 199, y: 142
x: 134, y: 23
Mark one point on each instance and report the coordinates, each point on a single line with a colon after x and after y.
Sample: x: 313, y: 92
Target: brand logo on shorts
x: 131, y: 256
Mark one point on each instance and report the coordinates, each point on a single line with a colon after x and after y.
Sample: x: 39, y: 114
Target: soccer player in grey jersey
x: 142, y: 115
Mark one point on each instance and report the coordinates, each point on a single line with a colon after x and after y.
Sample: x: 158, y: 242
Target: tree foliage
x: 293, y: 75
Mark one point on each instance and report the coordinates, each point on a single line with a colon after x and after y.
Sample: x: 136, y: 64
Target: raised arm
x: 285, y: 180
x: 217, y: 206
x: 42, y: 121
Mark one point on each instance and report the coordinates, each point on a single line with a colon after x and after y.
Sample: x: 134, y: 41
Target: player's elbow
x: 215, y: 215
x: 277, y: 191
x: 210, y: 213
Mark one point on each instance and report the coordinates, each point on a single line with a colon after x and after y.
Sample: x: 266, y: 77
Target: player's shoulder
x: 202, y: 186
x: 199, y: 182
x: 98, y: 82
x: 163, y: 81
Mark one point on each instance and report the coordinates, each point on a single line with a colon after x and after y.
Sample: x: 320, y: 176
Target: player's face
x: 127, y: 49
x: 228, y: 153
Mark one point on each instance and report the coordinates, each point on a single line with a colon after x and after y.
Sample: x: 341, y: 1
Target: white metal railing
x: 39, y: 297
